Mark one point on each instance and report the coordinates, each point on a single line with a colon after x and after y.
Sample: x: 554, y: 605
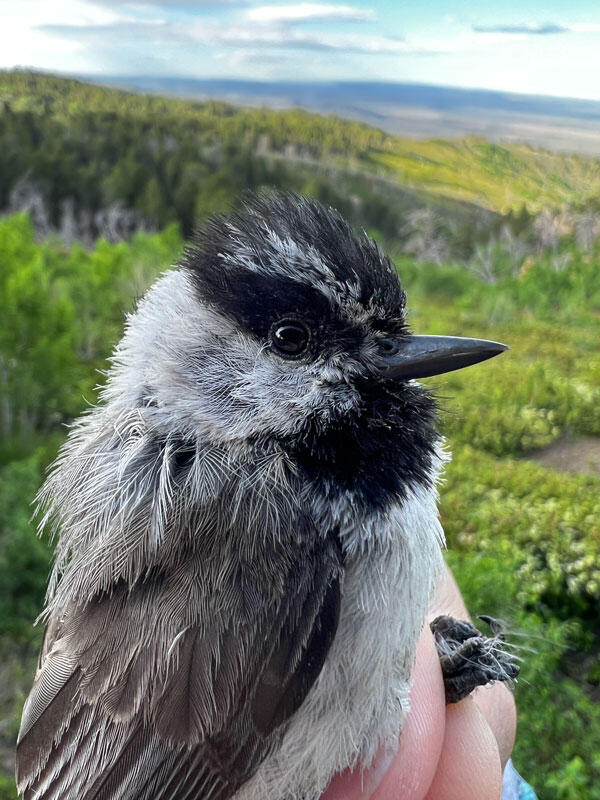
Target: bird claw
x: 470, y: 659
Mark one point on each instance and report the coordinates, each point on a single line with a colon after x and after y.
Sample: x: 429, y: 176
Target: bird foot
x: 470, y: 659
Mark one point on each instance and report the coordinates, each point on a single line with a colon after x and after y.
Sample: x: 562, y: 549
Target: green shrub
x: 24, y: 558
x: 558, y: 737
x: 546, y: 525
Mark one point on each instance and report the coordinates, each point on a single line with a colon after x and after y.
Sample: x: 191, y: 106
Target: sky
x: 524, y: 46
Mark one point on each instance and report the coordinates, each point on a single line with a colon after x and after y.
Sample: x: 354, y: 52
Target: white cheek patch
x: 208, y: 379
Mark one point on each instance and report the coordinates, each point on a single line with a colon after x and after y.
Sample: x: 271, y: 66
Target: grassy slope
x: 499, y: 177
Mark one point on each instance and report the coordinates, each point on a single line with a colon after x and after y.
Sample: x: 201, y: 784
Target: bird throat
x: 377, y: 453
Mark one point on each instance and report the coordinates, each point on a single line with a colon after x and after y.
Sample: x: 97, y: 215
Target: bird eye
x: 290, y: 338
x: 389, y: 346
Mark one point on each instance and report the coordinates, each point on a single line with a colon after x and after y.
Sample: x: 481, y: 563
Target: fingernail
x: 376, y: 772
x: 360, y: 784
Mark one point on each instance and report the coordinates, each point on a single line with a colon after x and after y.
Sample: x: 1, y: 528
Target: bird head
x: 275, y: 361
x: 283, y: 325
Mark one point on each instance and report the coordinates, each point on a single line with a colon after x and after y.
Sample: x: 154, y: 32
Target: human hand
x: 454, y: 752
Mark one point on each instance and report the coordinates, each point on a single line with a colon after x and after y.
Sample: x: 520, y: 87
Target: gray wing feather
x: 174, y: 689
x: 50, y: 683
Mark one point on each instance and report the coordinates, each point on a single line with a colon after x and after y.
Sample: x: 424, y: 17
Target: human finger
x: 469, y: 767
x: 407, y: 773
x: 495, y: 701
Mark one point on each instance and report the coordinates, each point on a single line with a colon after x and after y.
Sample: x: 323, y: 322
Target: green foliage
x: 24, y: 558
x: 545, y: 524
x: 504, y: 177
x: 7, y: 788
x: 169, y: 160
x: 525, y: 540
x: 177, y: 161
x: 38, y: 367
x: 558, y: 737
x: 62, y: 313
x: 543, y: 405
x: 552, y: 369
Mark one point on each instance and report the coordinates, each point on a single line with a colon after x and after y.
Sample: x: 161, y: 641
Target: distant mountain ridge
x: 406, y: 109
x: 441, y: 98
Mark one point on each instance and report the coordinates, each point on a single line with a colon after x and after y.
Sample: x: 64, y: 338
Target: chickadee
x: 247, y: 527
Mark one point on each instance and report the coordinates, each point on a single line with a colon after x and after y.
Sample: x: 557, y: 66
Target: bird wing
x: 175, y: 687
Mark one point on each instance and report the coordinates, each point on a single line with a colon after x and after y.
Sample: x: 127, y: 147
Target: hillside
x: 78, y: 146
x: 499, y: 177
x: 411, y: 110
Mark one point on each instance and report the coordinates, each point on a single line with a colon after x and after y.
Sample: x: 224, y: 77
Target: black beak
x: 422, y: 356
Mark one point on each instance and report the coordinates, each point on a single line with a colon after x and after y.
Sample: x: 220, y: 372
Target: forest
x: 99, y: 190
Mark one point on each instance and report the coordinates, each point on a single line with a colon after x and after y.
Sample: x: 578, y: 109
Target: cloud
x: 27, y: 13
x: 123, y: 31
x: 585, y: 27
x: 294, y: 39
x: 314, y: 12
x: 211, y: 34
x: 257, y: 57
x: 530, y: 30
x: 259, y: 34
x: 169, y: 4
x: 24, y: 42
